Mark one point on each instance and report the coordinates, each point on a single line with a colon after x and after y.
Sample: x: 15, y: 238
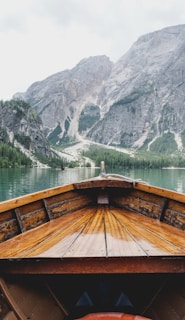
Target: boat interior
x: 104, y: 245
x: 155, y: 296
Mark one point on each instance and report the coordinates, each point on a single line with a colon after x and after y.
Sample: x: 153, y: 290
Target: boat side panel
x: 36, y: 213
x: 141, y: 202
x: 175, y: 214
x: 68, y: 203
x: 8, y: 225
x: 61, y: 197
x: 153, y: 206
x: 31, y: 215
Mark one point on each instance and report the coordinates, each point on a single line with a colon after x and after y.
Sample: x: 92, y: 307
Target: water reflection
x: 173, y: 179
x: 17, y: 182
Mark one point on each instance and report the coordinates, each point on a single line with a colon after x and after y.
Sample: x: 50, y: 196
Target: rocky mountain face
x: 60, y: 99
x: 132, y: 103
x: 21, y: 125
x: 144, y: 95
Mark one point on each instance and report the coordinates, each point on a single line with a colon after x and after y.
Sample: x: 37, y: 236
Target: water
x: 173, y: 179
x: 17, y: 182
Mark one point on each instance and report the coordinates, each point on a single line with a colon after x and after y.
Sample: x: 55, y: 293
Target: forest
x: 115, y: 159
x: 11, y: 157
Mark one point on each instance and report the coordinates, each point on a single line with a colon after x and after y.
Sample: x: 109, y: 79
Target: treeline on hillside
x: 115, y: 159
x: 12, y: 157
x: 57, y: 162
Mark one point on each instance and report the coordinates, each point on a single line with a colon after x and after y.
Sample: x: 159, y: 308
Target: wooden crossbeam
x: 19, y: 221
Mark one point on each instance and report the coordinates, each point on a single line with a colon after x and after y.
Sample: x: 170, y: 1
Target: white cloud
x: 41, y: 37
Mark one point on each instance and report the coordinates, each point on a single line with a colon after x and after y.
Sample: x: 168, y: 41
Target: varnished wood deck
x: 97, y: 232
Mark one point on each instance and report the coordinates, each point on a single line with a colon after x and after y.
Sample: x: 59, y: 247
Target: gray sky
x: 41, y: 37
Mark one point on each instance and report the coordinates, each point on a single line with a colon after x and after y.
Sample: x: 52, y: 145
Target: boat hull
x: 155, y: 296
x: 100, y: 245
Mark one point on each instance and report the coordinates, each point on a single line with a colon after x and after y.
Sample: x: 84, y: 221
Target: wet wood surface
x: 99, y: 231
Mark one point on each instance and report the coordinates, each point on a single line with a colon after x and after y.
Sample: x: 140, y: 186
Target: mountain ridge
x: 21, y: 127
x: 137, y: 102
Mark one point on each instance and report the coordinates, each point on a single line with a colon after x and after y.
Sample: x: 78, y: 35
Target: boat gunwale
x: 96, y: 182
x: 87, y: 184
x: 32, y: 197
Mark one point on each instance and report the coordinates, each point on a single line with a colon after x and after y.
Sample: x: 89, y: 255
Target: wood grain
x: 100, y: 232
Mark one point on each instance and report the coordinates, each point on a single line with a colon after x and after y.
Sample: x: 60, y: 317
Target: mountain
x: 21, y: 126
x: 60, y: 99
x: 137, y: 102
x: 145, y: 92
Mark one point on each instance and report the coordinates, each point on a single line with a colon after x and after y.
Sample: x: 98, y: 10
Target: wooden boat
x: 108, y: 248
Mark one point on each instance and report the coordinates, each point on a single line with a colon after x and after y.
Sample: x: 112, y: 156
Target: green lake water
x: 17, y: 182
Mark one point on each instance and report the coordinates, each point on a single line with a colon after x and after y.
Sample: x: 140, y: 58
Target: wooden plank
x: 119, y: 240
x: 149, y: 205
x: 147, y: 197
x: 61, y: 197
x: 140, y: 205
x: 177, y: 219
x: 146, y: 236
x: 40, y: 239
x: 83, y: 234
x: 34, y: 219
x: 91, y: 241
x: 8, y: 229
x: 61, y: 242
x: 164, y: 231
x: 102, y: 183
x: 31, y: 207
x: 96, y: 265
x: 69, y: 206
x: 177, y: 196
x: 177, y: 206
x: 7, y: 215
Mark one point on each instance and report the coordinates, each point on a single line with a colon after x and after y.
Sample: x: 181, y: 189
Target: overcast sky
x: 41, y: 37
